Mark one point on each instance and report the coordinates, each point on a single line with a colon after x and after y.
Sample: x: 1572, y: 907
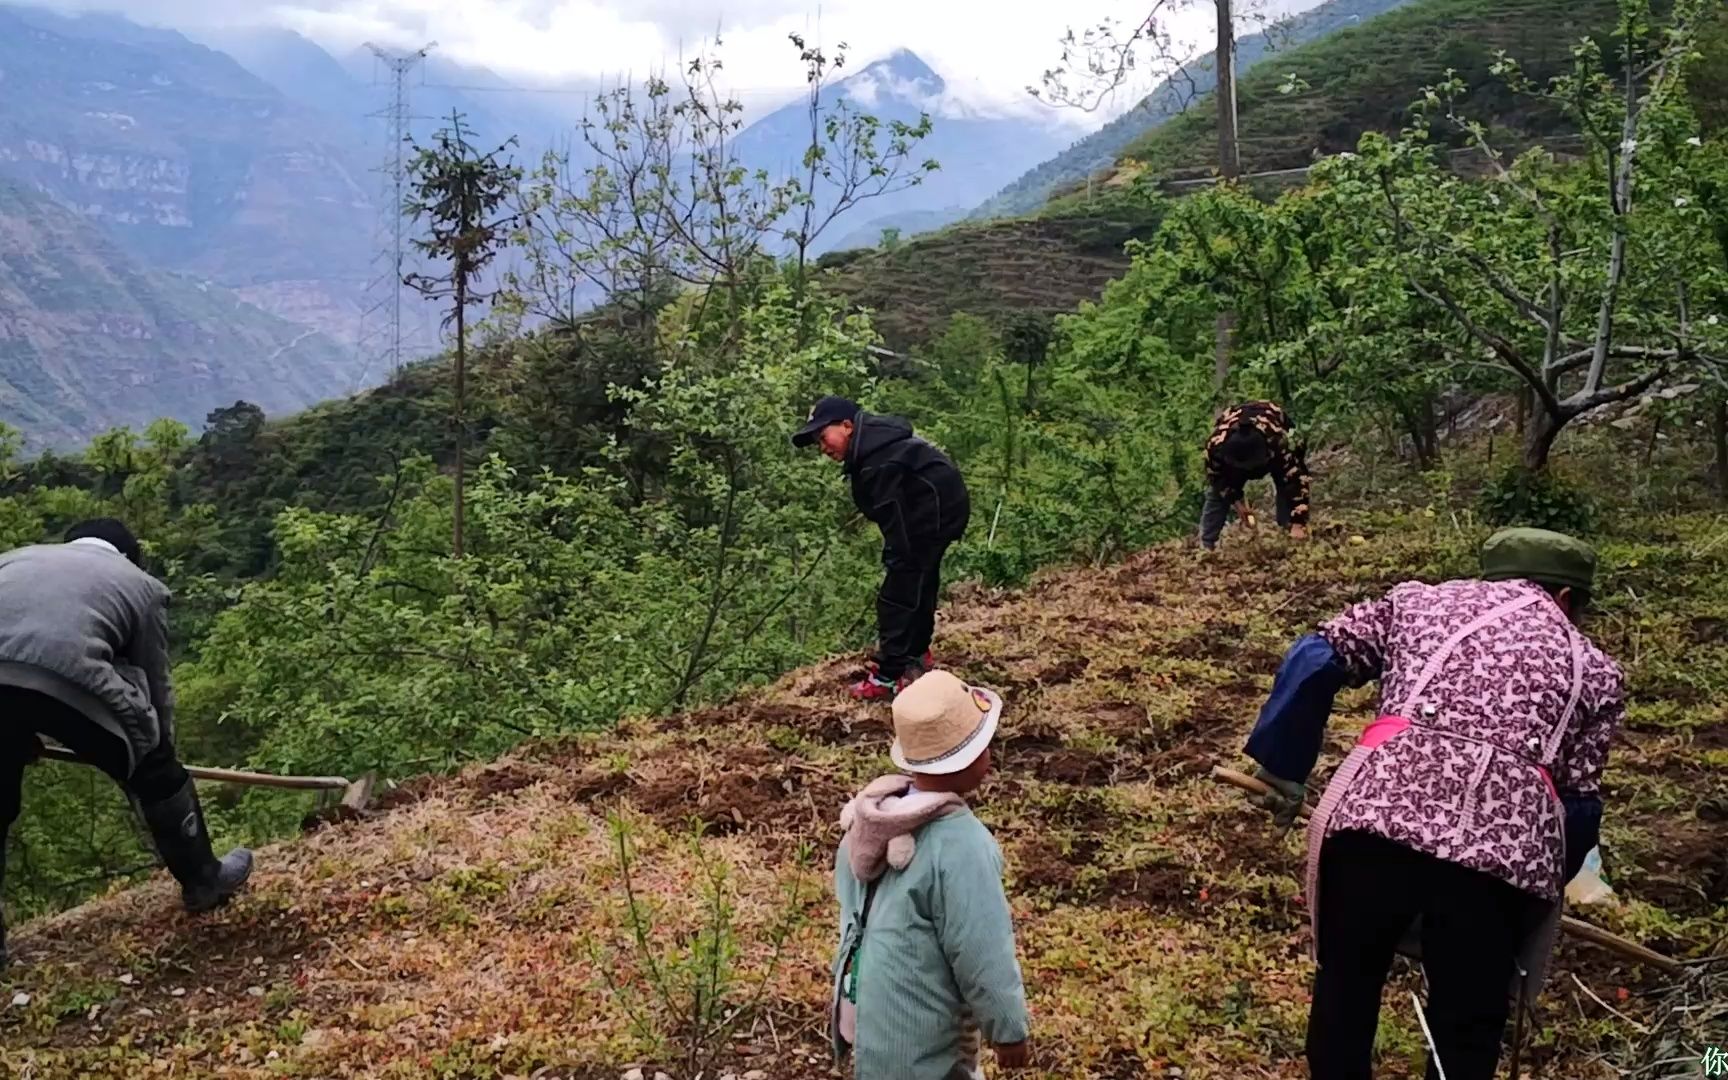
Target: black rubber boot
x: 177, y: 823
x: 4, y: 959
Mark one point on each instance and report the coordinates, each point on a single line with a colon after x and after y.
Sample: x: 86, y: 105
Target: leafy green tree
x: 1577, y: 280
x: 11, y: 442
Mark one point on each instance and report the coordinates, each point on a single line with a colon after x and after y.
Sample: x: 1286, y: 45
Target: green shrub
x: 1519, y: 496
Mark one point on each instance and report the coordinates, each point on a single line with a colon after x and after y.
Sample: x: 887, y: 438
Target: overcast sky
x: 987, y: 50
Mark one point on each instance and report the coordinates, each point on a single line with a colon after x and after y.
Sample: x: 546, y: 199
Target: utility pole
x: 1229, y: 163
x: 396, y: 118
x: 1229, y: 153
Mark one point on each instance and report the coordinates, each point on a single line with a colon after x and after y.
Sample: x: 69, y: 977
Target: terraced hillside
x: 1099, y: 150
x: 1049, y: 264
x: 1364, y: 77
x: 476, y: 926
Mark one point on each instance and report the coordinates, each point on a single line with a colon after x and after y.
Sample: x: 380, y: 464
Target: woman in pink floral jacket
x: 1464, y: 808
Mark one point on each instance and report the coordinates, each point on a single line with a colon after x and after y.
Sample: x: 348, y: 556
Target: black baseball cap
x: 830, y: 410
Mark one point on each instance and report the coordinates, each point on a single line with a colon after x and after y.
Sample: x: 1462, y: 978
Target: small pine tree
x: 458, y: 192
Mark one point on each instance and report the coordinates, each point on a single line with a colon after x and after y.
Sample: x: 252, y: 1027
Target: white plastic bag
x: 1588, y: 887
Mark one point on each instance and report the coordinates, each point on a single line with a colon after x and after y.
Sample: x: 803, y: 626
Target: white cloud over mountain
x: 988, y: 51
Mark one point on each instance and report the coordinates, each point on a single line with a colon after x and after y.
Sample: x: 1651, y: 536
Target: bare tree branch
x: 1101, y: 60
x: 1585, y: 400
x: 1499, y: 283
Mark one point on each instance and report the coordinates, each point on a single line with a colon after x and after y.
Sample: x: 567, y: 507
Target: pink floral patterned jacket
x: 1523, y: 693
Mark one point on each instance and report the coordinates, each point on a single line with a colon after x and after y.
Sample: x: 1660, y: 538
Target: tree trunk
x: 1719, y: 421
x: 1224, y: 53
x: 1287, y: 395
x: 1229, y: 163
x: 1426, y: 432
x: 1407, y: 426
x: 695, y: 668
x: 1539, y: 435
x: 461, y: 402
x: 1224, y: 329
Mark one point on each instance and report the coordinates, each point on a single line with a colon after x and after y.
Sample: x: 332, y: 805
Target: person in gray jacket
x: 84, y: 661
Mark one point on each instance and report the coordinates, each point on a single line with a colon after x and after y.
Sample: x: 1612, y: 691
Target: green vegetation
x: 1046, y: 264
x: 641, y: 536
x: 643, y: 545
x: 1096, y: 153
x: 1363, y: 78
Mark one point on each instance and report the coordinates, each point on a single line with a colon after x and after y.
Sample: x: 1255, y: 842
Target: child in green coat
x: 926, y: 961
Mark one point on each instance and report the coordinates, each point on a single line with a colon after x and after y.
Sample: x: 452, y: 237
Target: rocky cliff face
x: 91, y: 338
x: 190, y: 162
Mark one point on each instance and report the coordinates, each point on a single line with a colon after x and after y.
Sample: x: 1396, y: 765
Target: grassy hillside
x: 1047, y: 264
x: 1102, y: 148
x: 1363, y: 78
x: 473, y: 927
x: 91, y: 338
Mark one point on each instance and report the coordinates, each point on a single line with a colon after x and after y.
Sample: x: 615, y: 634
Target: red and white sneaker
x: 872, y: 688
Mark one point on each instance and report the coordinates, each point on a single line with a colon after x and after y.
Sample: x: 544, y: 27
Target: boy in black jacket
x: 915, y: 495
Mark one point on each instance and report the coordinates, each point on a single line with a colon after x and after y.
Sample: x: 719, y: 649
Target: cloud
x: 987, y: 52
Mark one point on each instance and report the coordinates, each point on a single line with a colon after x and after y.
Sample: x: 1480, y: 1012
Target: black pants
x: 25, y: 714
x: 1371, y: 890
x: 1216, y: 512
x: 906, y: 605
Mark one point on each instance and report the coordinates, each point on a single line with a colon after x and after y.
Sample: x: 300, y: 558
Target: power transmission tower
x: 396, y: 118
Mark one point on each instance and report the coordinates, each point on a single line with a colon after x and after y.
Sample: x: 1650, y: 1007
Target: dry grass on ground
x: 473, y: 927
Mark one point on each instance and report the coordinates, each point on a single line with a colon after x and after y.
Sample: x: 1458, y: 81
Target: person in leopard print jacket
x: 1464, y: 808
x: 1249, y: 441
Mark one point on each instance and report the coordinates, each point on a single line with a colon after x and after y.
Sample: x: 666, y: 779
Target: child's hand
x: 1014, y: 1055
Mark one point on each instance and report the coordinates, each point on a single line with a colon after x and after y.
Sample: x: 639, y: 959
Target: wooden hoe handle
x: 234, y: 776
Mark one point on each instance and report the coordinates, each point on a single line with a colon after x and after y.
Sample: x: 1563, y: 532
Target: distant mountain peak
x: 900, y: 75
x: 906, y: 64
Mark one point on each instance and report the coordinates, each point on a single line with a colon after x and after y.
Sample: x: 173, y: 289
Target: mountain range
x: 237, y: 171
x: 189, y: 161
x: 91, y: 337
x: 975, y: 152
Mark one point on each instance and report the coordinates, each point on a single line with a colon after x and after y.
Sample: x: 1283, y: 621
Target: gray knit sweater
x: 80, y: 623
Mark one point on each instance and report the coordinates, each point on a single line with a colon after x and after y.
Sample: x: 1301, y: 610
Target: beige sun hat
x: 941, y: 724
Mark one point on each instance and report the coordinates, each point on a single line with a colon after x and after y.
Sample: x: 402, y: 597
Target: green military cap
x: 1550, y: 558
